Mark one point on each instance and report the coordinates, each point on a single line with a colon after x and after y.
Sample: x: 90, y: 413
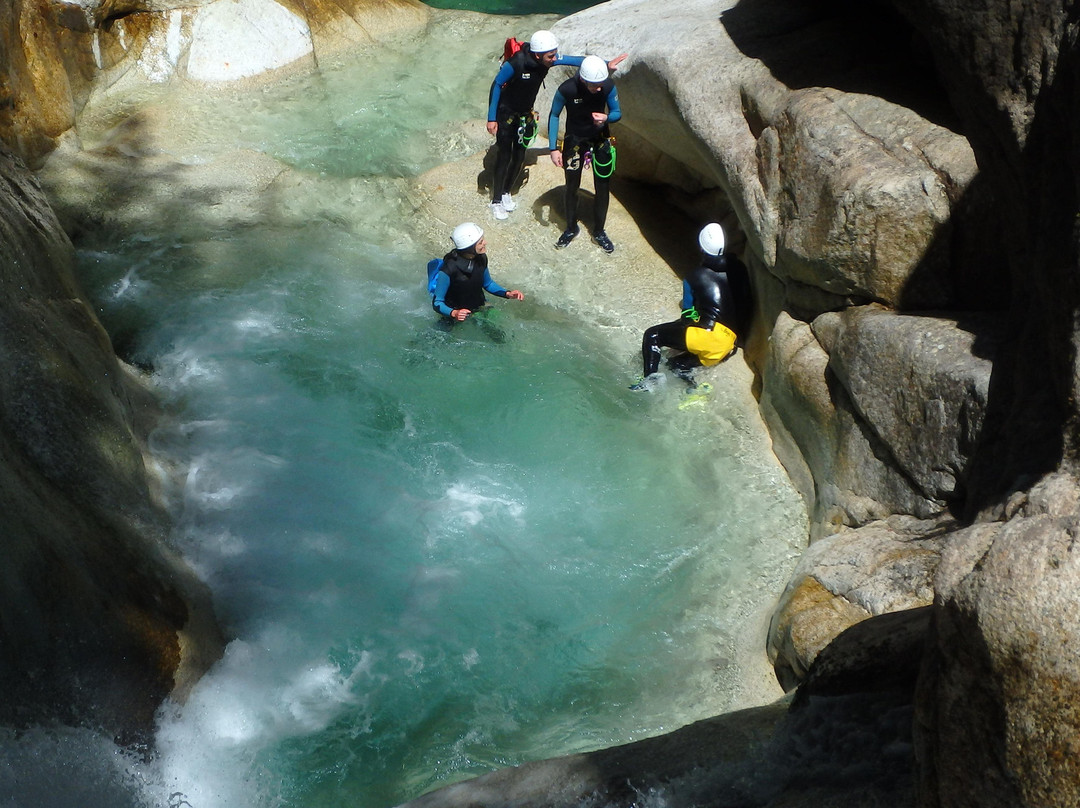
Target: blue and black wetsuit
x: 461, y: 283
x: 583, y: 137
x: 510, y: 104
x: 716, y: 293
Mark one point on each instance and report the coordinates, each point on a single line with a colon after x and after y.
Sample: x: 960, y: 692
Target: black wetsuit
x: 510, y: 104
x: 584, y: 136
x: 718, y: 289
x: 466, y: 281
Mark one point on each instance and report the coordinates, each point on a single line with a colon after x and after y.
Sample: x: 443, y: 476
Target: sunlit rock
x: 62, y: 51
x: 232, y: 40
x: 844, y: 191
x: 845, y: 578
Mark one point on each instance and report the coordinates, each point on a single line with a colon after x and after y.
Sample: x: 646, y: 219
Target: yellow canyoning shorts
x: 711, y: 347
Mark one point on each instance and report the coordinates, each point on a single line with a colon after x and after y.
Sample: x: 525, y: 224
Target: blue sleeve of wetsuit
x: 614, y: 112
x: 491, y: 287
x: 506, y: 72
x: 557, y: 104
x: 438, y: 300
x: 574, y: 61
x: 687, y: 297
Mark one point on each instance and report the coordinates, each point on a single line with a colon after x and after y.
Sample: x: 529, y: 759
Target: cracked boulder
x: 876, y: 412
x: 846, y: 578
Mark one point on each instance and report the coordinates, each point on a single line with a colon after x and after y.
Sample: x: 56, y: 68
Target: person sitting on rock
x: 463, y: 277
x: 716, y: 311
x: 511, y: 118
x: 592, y: 103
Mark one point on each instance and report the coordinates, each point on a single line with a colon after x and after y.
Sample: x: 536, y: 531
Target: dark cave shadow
x: 666, y: 228
x: 856, y: 46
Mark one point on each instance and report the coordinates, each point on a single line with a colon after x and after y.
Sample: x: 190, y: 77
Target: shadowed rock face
x: 98, y: 622
x: 1012, y: 75
x: 1003, y: 677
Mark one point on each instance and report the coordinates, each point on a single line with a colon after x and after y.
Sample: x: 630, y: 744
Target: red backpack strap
x: 511, y: 47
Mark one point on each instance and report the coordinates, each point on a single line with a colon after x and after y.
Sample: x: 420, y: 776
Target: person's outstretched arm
x: 494, y: 289
x: 614, y: 111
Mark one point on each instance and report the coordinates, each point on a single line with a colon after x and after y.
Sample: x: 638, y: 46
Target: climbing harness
x: 527, y: 128
x: 574, y: 163
x: 604, y: 168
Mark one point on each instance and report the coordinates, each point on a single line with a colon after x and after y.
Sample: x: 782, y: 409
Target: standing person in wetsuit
x: 591, y: 103
x: 511, y: 118
x: 716, y: 313
x: 464, y: 278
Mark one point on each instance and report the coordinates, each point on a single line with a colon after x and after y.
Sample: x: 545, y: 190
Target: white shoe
x: 498, y: 209
x: 508, y: 203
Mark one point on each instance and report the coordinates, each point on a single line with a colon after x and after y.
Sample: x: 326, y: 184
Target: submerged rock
x: 832, y: 752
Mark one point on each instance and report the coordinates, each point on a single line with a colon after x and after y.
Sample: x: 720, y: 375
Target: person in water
x: 716, y: 307
x: 464, y: 278
x: 511, y: 118
x: 591, y: 103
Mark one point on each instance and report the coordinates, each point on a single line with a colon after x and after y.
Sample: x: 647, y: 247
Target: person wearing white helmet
x: 511, y: 118
x: 716, y: 306
x: 463, y: 277
x: 591, y: 103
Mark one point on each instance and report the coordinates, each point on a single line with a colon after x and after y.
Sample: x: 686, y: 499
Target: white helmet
x: 543, y: 41
x: 711, y: 239
x: 593, y: 70
x: 466, y: 235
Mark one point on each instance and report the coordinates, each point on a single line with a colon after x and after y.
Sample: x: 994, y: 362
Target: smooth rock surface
x: 846, y: 578
x: 235, y: 39
x: 850, y: 479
